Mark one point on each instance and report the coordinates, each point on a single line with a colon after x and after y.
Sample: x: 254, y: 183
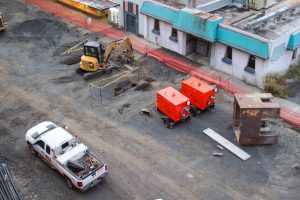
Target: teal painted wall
x: 158, y: 11
x: 294, y: 41
x: 243, y: 42
x: 197, y: 26
x: 209, y: 30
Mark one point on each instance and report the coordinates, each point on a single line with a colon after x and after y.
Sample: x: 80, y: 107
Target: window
x: 41, y: 144
x: 174, y: 36
x: 228, y: 56
x: 156, y: 27
x: 251, y: 65
x: 90, y: 51
x: 66, y: 144
x: 47, y: 149
x: 294, y: 54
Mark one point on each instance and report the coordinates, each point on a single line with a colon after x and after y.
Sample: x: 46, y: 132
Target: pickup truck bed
x: 84, y: 166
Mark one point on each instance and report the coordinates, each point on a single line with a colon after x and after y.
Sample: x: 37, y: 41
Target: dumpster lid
x: 256, y: 100
x: 172, y: 95
x: 198, y: 84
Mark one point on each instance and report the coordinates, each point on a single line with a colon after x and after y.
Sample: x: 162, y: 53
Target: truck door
x: 39, y: 147
x: 48, y: 154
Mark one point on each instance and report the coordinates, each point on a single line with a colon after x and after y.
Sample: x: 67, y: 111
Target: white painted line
x: 190, y: 175
x: 225, y: 143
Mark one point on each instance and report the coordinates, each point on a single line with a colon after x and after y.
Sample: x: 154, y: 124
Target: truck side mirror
x: 66, y: 127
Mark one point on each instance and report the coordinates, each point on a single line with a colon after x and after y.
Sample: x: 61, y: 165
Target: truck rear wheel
x: 69, y: 183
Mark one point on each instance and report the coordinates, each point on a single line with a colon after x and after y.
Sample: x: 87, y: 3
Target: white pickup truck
x: 65, y: 153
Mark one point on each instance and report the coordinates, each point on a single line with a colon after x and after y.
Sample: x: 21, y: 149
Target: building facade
x: 129, y: 17
x: 231, y: 44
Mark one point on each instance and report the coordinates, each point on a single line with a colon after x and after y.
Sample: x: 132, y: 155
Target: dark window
x: 294, y: 54
x: 174, y: 36
x: 228, y: 56
x: 251, y: 64
x: 156, y: 27
x: 47, y: 149
x: 229, y: 53
x: 41, y: 144
x: 65, y: 145
x: 174, y: 32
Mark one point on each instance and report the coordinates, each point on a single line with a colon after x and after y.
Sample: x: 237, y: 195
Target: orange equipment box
x: 173, y: 104
x: 200, y: 94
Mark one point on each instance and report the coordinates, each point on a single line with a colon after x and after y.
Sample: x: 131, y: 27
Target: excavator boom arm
x: 125, y: 41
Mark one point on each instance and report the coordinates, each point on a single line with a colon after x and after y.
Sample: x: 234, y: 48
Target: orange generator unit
x: 201, y: 95
x: 174, y: 105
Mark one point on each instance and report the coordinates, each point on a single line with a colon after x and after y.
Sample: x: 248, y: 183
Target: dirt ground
x: 145, y: 159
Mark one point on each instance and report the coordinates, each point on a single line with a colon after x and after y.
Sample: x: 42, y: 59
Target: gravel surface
x: 145, y: 160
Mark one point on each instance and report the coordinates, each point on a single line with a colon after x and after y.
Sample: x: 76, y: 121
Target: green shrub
x: 275, y: 84
x: 293, y: 72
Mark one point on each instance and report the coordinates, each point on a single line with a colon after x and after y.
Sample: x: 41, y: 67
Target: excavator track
x: 91, y: 75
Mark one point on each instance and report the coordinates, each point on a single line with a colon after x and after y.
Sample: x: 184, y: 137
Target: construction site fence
x: 140, y: 45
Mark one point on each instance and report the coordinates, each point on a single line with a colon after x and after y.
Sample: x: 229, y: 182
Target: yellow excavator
x: 3, y: 24
x: 94, y: 62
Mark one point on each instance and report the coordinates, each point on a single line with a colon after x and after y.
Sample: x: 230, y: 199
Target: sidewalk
x: 289, y: 112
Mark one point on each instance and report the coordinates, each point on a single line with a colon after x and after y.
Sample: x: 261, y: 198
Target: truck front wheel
x: 33, y: 151
x: 69, y: 183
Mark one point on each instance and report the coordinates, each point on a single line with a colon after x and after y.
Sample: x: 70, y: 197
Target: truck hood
x: 38, y: 129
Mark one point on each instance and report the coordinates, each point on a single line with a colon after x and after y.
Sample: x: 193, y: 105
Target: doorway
x: 131, y: 23
x: 203, y: 47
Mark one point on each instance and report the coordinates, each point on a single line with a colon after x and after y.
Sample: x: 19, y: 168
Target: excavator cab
x: 2, y: 24
x: 93, y: 53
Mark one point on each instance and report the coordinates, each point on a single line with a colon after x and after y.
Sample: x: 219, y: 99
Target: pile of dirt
x: 71, y: 60
x: 141, y: 85
x: 48, y: 29
x: 123, y: 107
x: 123, y: 85
x: 33, y: 26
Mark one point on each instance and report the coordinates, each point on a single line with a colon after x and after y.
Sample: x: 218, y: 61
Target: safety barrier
x: 8, y: 189
x: 141, y: 46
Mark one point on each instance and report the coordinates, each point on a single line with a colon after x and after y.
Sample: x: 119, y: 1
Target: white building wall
x: 239, y: 62
x: 262, y: 66
x: 282, y: 64
x: 163, y: 38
